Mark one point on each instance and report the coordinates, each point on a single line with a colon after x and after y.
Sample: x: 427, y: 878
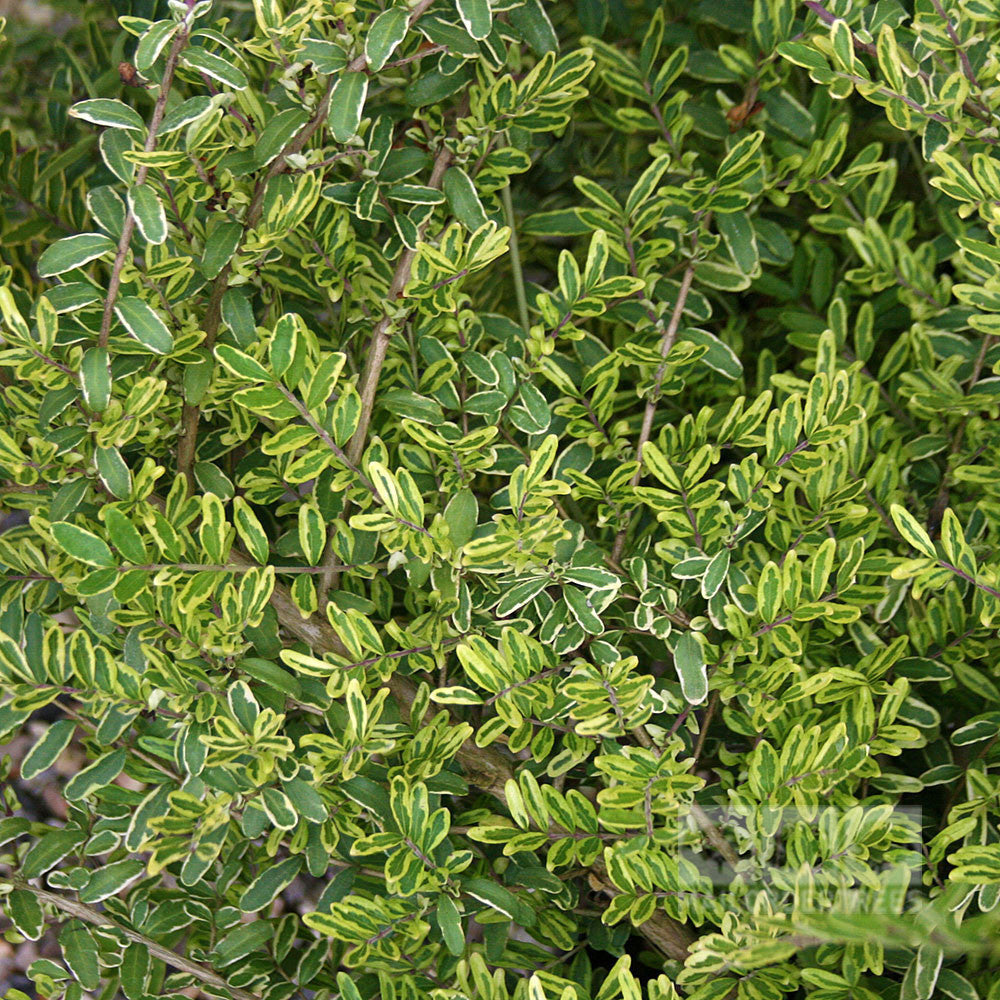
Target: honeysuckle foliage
x: 511, y: 498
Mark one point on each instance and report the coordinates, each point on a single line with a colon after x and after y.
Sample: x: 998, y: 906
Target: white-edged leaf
x: 153, y: 42
x: 148, y: 212
x: 689, y: 659
x: 216, y: 67
x: 105, y: 111
x: 72, y: 252
x: 476, y: 17
x: 385, y: 34
x: 144, y: 324
x: 185, y: 113
x: 347, y: 102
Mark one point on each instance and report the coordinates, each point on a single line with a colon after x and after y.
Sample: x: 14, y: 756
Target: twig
x: 968, y: 106
x: 953, y: 35
x: 666, y: 343
x: 705, y: 722
x: 515, y: 259
x: 140, y: 178
x: 941, y: 501
x: 190, y: 414
x: 91, y: 916
x: 382, y: 333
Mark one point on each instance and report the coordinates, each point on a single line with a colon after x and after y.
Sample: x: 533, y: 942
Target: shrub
x: 511, y: 498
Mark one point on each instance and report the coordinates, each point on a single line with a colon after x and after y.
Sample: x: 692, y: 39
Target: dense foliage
x: 510, y: 498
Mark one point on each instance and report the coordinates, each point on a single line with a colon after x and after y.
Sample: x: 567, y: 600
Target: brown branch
x: 140, y: 178
x: 485, y: 768
x: 91, y: 916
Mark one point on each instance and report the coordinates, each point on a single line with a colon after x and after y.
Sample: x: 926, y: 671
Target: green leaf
x: 94, y: 776
x: 305, y: 799
x: 312, y: 534
x: 581, y: 607
x: 461, y: 516
x: 384, y: 36
x: 280, y: 131
x: 124, y: 536
x: 49, y: 849
x: 95, y: 378
x: 278, y: 808
x: 104, y: 111
x: 347, y: 102
x: 82, y: 544
x: 689, y: 660
x: 153, y: 41
x: 73, y: 252
x: 22, y: 908
x: 719, y: 355
x: 47, y: 750
x: 715, y: 574
x: 114, y: 472
x: 191, y: 110
x: 134, y: 970
x: 450, y: 922
x: 769, y: 593
x: 250, y: 531
x: 476, y: 17
x: 494, y: 896
x: 79, y: 951
x: 534, y: 26
x: 273, y: 880
x: 110, y: 880
x: 242, y: 941
x: 139, y: 318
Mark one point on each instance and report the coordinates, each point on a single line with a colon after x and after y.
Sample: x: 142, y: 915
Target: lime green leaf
x: 82, y: 544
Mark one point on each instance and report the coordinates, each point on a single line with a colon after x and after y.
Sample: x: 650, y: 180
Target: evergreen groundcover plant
x: 502, y: 498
